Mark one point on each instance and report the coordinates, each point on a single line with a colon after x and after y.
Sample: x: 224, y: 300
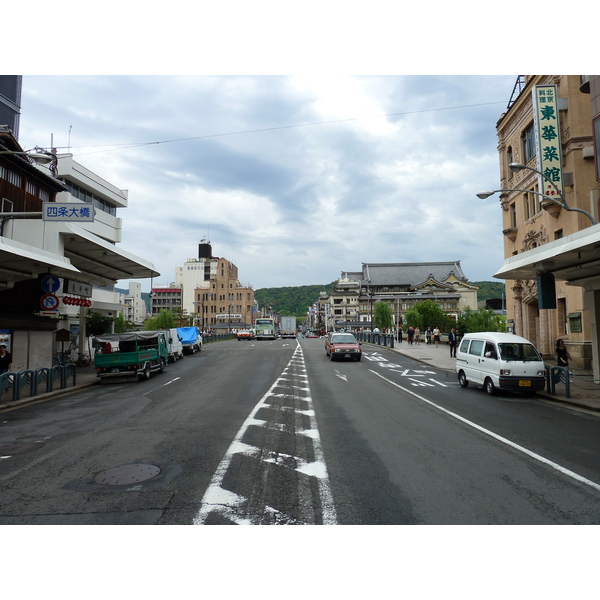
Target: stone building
x: 547, y: 127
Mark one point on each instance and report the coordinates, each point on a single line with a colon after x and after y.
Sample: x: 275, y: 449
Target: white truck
x: 287, y: 327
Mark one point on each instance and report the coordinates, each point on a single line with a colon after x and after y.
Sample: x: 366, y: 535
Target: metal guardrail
x: 34, y: 381
x: 380, y: 339
x: 556, y: 375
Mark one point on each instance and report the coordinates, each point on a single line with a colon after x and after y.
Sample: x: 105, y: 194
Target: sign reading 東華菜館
x: 68, y: 211
x: 547, y: 136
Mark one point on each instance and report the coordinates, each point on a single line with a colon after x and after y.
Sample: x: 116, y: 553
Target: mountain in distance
x: 295, y: 300
x: 289, y: 301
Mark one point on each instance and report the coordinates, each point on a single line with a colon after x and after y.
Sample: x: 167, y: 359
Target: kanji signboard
x: 68, y: 211
x: 547, y: 134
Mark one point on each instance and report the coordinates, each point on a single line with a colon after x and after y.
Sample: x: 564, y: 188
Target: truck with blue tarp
x: 191, y: 338
x: 131, y: 355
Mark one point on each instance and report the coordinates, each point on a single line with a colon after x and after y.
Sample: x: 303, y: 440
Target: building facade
x: 51, y: 270
x: 166, y: 298
x: 547, y: 127
x: 401, y: 285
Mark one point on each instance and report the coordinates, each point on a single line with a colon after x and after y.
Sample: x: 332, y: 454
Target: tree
x: 165, y: 319
x: 97, y: 324
x: 122, y: 325
x: 428, y: 314
x: 472, y: 321
x: 382, y: 316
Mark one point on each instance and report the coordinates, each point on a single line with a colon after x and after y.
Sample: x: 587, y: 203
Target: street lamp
x: 38, y: 155
x: 562, y: 202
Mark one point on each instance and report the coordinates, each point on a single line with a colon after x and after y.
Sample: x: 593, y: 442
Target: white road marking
x: 338, y: 374
x: 501, y: 439
x: 227, y: 503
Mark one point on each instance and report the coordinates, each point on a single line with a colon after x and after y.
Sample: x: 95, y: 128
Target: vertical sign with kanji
x: 547, y: 136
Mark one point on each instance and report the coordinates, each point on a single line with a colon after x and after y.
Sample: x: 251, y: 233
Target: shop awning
x: 574, y: 258
x: 99, y: 260
x: 19, y: 262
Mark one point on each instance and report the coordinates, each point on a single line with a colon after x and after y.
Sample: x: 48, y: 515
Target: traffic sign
x: 49, y: 302
x: 50, y: 284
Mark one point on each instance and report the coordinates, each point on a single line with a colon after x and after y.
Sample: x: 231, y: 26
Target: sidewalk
x: 584, y: 392
x: 85, y: 377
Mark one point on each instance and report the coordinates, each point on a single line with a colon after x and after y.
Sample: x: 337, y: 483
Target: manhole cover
x: 127, y: 474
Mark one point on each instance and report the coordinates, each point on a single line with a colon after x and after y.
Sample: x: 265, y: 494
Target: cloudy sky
x: 297, y: 177
x: 293, y: 178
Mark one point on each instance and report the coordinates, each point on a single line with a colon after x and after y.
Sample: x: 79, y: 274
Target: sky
x: 293, y: 178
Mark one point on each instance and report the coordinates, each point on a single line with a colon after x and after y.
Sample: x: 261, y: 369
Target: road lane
x: 395, y: 459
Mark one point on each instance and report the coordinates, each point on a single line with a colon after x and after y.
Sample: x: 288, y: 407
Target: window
x: 528, y: 140
x: 509, y: 159
x: 513, y: 215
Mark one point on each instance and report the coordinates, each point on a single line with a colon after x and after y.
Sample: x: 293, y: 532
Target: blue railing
x: 40, y: 381
x: 556, y: 375
x: 381, y: 339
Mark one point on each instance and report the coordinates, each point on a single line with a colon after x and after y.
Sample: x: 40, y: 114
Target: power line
x: 277, y: 128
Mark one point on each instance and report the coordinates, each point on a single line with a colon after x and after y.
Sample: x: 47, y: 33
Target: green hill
x: 290, y: 301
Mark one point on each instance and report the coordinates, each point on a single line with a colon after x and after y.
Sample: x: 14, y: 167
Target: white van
x: 500, y: 361
x: 174, y: 344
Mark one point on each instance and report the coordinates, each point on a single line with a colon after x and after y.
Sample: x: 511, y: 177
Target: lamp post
x: 38, y: 155
x: 562, y: 202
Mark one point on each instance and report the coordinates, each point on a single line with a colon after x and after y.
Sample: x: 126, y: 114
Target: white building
x: 196, y: 273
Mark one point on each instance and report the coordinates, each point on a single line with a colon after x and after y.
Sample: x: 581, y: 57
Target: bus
x: 265, y: 329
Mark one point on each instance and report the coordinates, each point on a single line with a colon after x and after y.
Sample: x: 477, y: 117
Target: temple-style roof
x: 411, y: 274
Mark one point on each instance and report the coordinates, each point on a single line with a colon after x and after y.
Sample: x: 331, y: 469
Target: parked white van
x: 499, y: 361
x: 174, y: 344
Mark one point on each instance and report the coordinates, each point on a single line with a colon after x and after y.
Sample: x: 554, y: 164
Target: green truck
x: 131, y: 355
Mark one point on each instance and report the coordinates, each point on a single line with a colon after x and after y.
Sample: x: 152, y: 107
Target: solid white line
x: 504, y: 440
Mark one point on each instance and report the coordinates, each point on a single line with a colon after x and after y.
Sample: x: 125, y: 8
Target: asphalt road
x: 276, y: 433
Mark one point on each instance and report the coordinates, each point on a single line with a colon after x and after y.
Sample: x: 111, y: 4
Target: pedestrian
x: 410, y: 334
x: 452, y: 339
x: 436, y: 336
x: 562, y: 353
x: 418, y: 335
x: 400, y: 332
x: 5, y: 360
x: 428, y: 334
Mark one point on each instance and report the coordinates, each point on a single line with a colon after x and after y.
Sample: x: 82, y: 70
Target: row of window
x: 85, y: 195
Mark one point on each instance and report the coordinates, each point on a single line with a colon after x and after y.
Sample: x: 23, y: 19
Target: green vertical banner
x: 547, y: 137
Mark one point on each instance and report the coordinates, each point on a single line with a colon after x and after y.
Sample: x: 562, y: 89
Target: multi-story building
x: 134, y: 307
x: 166, y: 298
x: 10, y: 102
x: 225, y: 303
x: 196, y: 273
x: 549, y: 201
x: 42, y: 263
x: 401, y: 285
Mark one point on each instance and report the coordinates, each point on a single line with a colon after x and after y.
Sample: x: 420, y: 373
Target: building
x: 50, y: 269
x: 134, y: 307
x: 401, y: 285
x: 196, y: 273
x: 225, y: 303
x: 10, y: 102
x: 550, y: 239
x: 166, y: 298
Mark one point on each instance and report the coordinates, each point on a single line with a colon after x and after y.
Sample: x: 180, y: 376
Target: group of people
x: 432, y: 336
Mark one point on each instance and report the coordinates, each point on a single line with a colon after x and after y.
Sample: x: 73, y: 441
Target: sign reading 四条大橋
x: 547, y: 137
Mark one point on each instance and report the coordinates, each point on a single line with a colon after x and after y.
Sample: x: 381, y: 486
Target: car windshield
x: 343, y: 338
x: 515, y: 351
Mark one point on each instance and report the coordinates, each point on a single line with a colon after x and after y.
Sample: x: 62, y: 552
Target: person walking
x: 410, y: 334
x: 452, y: 339
x: 428, y: 334
x: 563, y: 356
x: 400, y: 334
x: 418, y: 335
x: 5, y: 360
x: 436, y: 336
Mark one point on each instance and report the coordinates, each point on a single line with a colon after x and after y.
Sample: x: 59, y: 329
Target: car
x: 342, y: 345
x: 500, y: 361
x: 244, y: 335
